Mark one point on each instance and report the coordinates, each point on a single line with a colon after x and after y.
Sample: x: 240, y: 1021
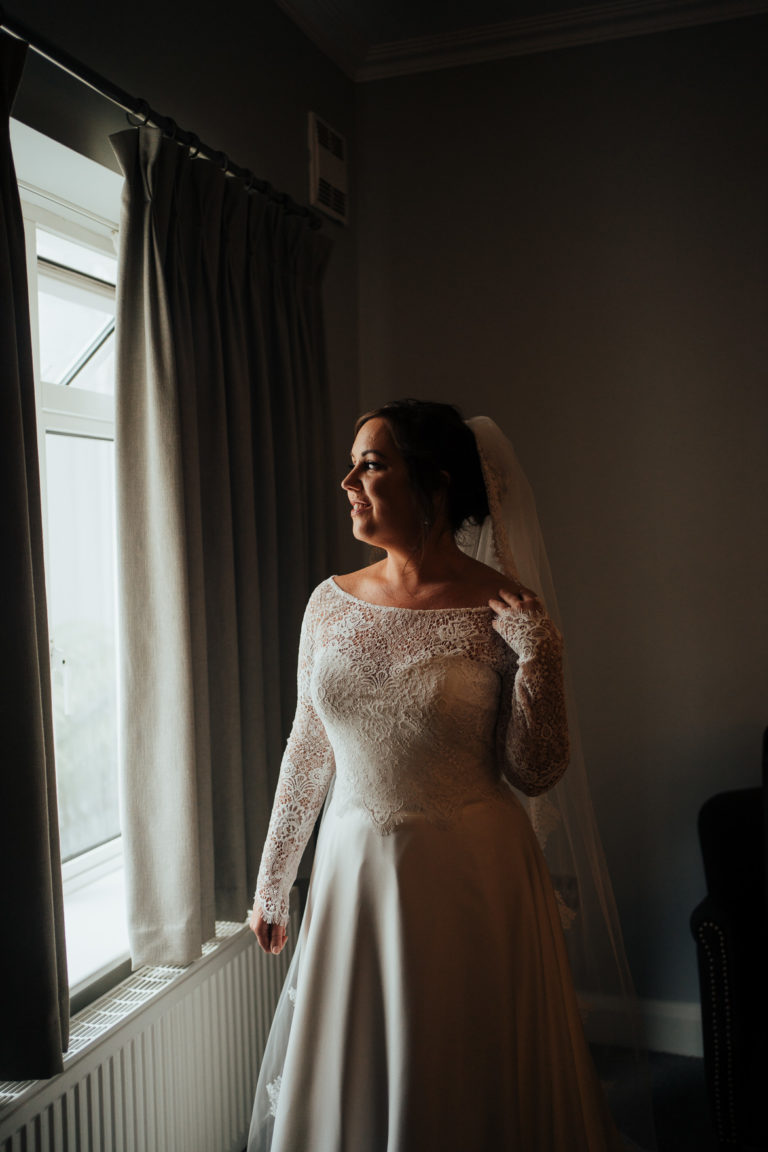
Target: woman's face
x: 383, y: 509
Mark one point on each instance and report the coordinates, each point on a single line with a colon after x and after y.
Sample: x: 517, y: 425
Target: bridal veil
x: 510, y: 540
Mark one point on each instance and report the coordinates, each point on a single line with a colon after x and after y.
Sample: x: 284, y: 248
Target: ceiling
x: 372, y: 39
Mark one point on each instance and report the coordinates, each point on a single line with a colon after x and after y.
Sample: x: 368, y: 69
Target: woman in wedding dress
x: 429, y: 1004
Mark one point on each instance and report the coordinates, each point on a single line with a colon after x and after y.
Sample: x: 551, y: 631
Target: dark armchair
x: 730, y: 928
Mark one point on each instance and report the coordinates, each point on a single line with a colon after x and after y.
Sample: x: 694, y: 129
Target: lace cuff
x: 305, y: 774
x: 533, y: 728
x: 527, y: 632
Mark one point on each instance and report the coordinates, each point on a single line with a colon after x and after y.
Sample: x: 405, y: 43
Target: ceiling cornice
x: 332, y: 30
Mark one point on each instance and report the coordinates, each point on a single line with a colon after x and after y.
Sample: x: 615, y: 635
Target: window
x: 76, y: 314
x: 70, y: 207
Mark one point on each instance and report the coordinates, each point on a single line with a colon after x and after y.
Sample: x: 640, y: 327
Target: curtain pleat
x: 33, y: 964
x: 222, y: 468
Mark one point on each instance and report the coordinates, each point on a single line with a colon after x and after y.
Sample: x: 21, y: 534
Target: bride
x: 429, y: 1003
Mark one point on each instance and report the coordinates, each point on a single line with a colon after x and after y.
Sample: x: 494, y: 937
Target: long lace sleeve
x: 533, y: 726
x: 305, y: 772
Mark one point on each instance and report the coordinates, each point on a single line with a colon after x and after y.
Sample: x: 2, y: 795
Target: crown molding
x: 546, y: 33
x: 339, y: 35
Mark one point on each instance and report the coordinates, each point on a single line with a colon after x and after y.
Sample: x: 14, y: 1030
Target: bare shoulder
x: 362, y: 581
x: 486, y: 581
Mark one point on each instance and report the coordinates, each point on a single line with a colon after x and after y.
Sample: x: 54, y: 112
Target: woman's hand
x: 520, y: 600
x: 522, y: 622
x: 271, y: 937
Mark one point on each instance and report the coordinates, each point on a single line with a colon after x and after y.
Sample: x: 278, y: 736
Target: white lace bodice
x: 416, y: 711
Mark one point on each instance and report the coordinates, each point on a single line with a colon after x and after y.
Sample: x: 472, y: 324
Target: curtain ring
x: 171, y: 128
x: 142, y: 109
x: 194, y: 145
x: 223, y: 161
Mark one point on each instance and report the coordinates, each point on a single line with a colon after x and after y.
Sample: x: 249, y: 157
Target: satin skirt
x: 429, y: 1004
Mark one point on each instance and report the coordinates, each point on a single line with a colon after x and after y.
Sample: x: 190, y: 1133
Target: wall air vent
x: 327, y: 170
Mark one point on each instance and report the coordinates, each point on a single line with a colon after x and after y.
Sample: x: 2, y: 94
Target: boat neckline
x: 399, y: 608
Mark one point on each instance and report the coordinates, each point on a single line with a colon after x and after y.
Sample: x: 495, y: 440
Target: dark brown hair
x: 433, y: 439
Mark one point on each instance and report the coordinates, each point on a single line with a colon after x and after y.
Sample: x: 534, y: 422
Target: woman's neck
x: 410, y: 574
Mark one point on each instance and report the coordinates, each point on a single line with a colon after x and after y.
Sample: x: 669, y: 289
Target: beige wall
x: 244, y: 78
x: 577, y: 244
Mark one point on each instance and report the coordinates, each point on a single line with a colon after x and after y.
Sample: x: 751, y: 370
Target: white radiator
x: 166, y: 1062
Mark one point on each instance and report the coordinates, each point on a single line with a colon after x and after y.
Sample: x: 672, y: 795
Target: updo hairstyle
x: 433, y: 439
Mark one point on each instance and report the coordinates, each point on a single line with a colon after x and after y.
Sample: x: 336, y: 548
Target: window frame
x: 72, y: 411
x: 64, y: 407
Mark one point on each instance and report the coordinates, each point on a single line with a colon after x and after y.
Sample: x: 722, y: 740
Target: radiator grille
x: 167, y: 1062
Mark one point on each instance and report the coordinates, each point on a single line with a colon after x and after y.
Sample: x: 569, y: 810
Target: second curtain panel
x: 222, y: 469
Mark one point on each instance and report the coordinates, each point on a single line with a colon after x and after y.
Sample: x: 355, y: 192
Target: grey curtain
x: 222, y: 480
x: 33, y: 964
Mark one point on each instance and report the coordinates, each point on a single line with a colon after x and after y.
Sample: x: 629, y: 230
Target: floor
x: 680, y: 1106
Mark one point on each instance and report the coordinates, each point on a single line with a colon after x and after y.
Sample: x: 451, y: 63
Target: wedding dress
x: 429, y: 1004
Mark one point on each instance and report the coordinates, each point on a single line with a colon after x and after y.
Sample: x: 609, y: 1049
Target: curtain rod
x: 144, y: 116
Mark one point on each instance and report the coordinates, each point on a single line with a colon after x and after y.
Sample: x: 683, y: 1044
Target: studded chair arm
x: 732, y: 953
x: 710, y: 928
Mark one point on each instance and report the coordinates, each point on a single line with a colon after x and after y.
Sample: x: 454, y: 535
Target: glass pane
x: 98, y: 374
x: 96, y: 925
x: 81, y: 612
x: 73, y: 255
x: 68, y: 329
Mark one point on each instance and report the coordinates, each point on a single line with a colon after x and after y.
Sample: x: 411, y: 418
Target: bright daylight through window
x: 70, y: 208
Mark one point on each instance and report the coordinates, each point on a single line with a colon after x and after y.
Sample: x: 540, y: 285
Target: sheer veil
x: 510, y: 540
